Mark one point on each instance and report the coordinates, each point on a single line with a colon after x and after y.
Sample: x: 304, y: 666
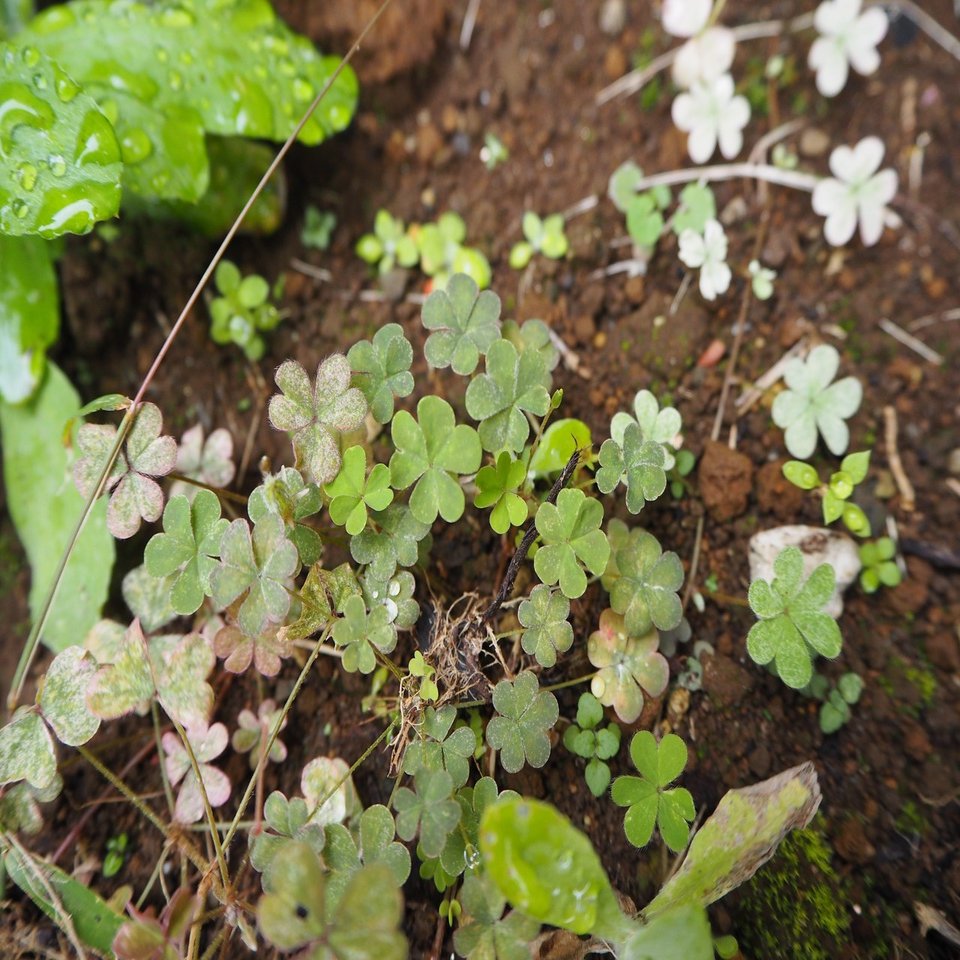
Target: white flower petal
x: 730, y: 137
x: 684, y: 18
x: 716, y: 277
x: 702, y: 142
x: 715, y: 240
x: 833, y: 15
x: 722, y: 88
x: 840, y: 226
x: 704, y: 58
x: 829, y: 59
x: 692, y: 251
x: 687, y: 67
x: 788, y: 406
x: 864, y: 59
x: 871, y: 223
x: 835, y: 433
x: 801, y: 437
x: 822, y: 364
x: 882, y: 188
x: 829, y: 194
x: 872, y: 27
x: 867, y: 157
x: 684, y: 112
x: 844, y: 397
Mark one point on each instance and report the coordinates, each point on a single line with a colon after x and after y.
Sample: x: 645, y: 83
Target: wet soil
x: 890, y: 777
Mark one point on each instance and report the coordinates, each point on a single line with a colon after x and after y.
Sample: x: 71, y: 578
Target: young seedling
x: 547, y: 630
x: 708, y: 254
x: 254, y: 731
x: 835, y: 711
x: 497, y: 487
x: 493, y: 152
x: 353, y: 491
x: 791, y: 629
x: 519, y: 729
x: 544, y: 236
x: 390, y: 245
x: 651, y: 805
x: 242, y: 312
x: 443, y: 253
x: 761, y: 280
x: 318, y: 227
x: 677, y: 476
x: 596, y: 744
x: 207, y: 743
x: 115, y: 856
x: 627, y: 666
x: 418, y: 667
x: 812, y: 403
x: 879, y: 565
x: 837, y: 492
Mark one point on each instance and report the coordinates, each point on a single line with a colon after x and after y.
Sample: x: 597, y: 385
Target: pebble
x: 613, y: 17
x: 614, y: 62
x: 634, y: 289
x: 814, y: 142
x: 818, y: 545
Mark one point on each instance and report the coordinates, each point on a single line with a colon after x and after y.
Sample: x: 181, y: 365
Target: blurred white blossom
x: 711, y: 113
x: 847, y: 38
x: 704, y: 57
x: 708, y: 253
x: 686, y: 18
x: 855, y: 193
x: 761, y: 279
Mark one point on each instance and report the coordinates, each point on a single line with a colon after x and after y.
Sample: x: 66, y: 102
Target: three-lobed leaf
x: 544, y: 615
x: 525, y: 714
x: 572, y: 540
x: 381, y: 369
x: 465, y: 322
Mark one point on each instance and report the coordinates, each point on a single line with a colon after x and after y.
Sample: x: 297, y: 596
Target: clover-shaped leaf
x: 533, y: 335
x: 524, y: 715
x: 393, y: 544
x: 258, y: 566
x: 187, y: 548
x: 254, y: 730
x: 557, y: 445
x: 488, y: 934
x: 544, y: 236
x: 811, y: 403
x: 594, y: 745
x: 27, y: 751
x: 548, y: 631
x: 329, y: 790
x: 697, y: 206
x: 440, y: 749
x: 465, y: 323
x: 294, y: 911
x: 134, y: 493
x: 650, y: 804
x: 644, y: 219
x: 148, y: 598
x: 430, y: 452
x: 286, y: 494
x: 315, y: 415
x: 645, y: 590
x: 381, y: 369
x: 265, y: 650
x: 636, y: 462
x: 460, y: 851
x: 207, y: 743
x: 571, y: 536
x: 287, y: 820
x: 210, y: 461
x: 352, y: 492
x: 359, y: 632
x: 622, y: 185
x: 344, y: 854
x: 429, y: 810
x: 792, y: 629
x: 661, y: 426
x: 878, y: 558
x: 321, y: 597
x: 627, y: 665
x: 126, y: 681
x: 497, y: 486
x: 62, y: 697
x: 514, y: 383
x: 391, y: 243
x: 396, y: 595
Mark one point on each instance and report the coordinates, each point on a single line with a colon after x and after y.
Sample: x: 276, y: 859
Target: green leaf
x: 557, y: 445
x: 637, y: 463
x: 646, y: 590
x: 597, y: 775
x: 440, y: 749
x: 359, y: 632
x: 801, y: 474
x: 571, y: 537
x: 315, y: 415
x: 353, y: 491
x: 738, y: 838
x: 548, y: 869
x: 622, y: 187
x: 430, y: 452
x: 524, y: 716
x: 462, y: 846
x: 465, y: 323
x: 393, y: 544
x: 644, y: 220
x: 29, y: 314
x: 497, y: 486
x: 488, y: 935
x: 59, y: 157
x: 62, y: 697
x: 514, y: 384
x: 148, y: 598
x: 681, y: 934
x: 93, y: 920
x: 548, y: 630
x: 188, y: 548
x: 291, y: 912
x: 27, y: 751
x: 429, y: 810
x: 36, y: 471
x: 382, y: 369
x: 697, y: 206
x: 395, y: 595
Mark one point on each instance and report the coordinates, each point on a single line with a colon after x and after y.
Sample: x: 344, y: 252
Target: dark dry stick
x: 514, y: 568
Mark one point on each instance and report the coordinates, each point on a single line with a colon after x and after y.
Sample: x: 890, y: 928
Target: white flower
x: 711, y: 113
x: 686, y: 18
x: 857, y: 193
x: 761, y: 279
x: 704, y: 57
x: 709, y: 253
x: 847, y: 38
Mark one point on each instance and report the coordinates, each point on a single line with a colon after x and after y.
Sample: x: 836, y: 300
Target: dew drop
x: 58, y: 166
x: 27, y: 176
x: 20, y: 209
x: 302, y: 90
x: 162, y: 54
x: 176, y: 17
x: 66, y: 88
x: 19, y: 106
x: 175, y: 79
x: 40, y: 81
x: 135, y: 146
x: 160, y: 181
x: 30, y: 56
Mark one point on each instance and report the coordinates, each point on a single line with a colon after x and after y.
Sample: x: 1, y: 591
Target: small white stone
x: 818, y: 545
x: 613, y: 17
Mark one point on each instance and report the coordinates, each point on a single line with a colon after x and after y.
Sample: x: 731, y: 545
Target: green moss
x: 924, y: 681
x: 910, y: 820
x: 796, y: 905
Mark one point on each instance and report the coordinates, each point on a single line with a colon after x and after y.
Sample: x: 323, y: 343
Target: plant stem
x: 570, y: 683
x: 731, y: 171
x: 219, y: 491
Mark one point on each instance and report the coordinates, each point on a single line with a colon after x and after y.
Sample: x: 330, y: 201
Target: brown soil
x: 890, y: 778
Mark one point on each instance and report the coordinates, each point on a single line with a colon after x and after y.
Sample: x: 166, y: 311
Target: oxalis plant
x: 243, y: 595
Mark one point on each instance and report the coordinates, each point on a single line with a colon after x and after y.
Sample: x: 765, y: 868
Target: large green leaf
x: 13, y: 15
x: 45, y: 505
x: 167, y: 72
x: 29, y: 314
x: 59, y: 157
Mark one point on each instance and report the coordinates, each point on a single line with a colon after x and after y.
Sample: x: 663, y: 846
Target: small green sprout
x: 242, y: 312
x: 392, y: 542
x: 525, y: 714
x: 879, y: 565
x: 431, y: 451
x: 627, y: 666
x: 645, y: 218
x: 514, y: 385
x: 761, y: 280
x: 622, y: 186
x: 544, y: 236
x: 792, y: 630
x: 637, y: 464
x: 360, y: 631
x: 595, y: 744
x: 682, y: 468
x: 697, y: 206
x: 836, y: 493
x: 465, y: 323
x: 352, y: 492
x: 547, y: 631
x: 115, y: 856
x: 442, y: 252
x: 389, y: 245
x: 572, y: 540
x: 419, y: 667
x: 650, y: 803
x: 318, y: 227
x: 835, y: 711
x: 812, y: 403
x: 659, y: 426
x: 381, y: 369
x: 493, y: 152
x: 497, y: 486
